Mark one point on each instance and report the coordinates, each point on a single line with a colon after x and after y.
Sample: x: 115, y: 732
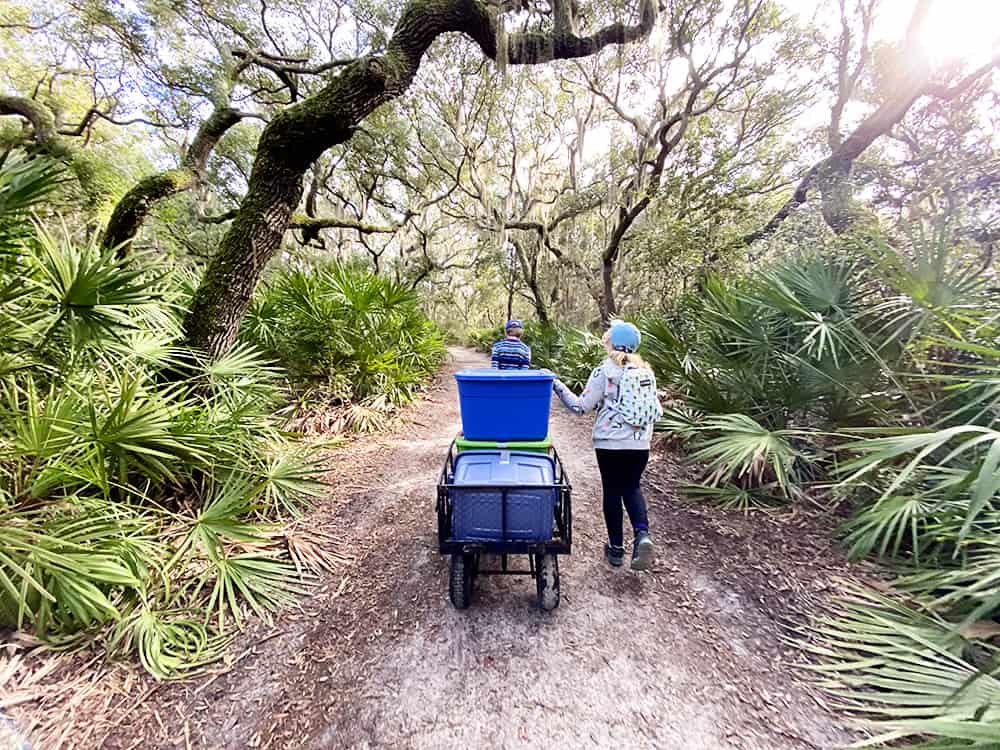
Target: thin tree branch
x: 331, y: 222
x: 948, y: 93
x: 284, y: 65
x: 93, y: 114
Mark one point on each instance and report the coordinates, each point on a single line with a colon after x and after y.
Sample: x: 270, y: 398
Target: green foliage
x: 482, y: 339
x: 919, y: 678
x: 133, y: 506
x: 876, y: 373
x: 23, y: 184
x: 934, y: 456
x: 571, y: 353
x: 737, y: 448
x: 784, y: 347
x: 360, y: 336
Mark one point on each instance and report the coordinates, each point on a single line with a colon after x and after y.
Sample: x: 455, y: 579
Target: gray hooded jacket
x: 610, y: 430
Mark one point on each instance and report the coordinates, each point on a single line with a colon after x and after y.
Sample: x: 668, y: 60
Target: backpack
x: 637, y: 402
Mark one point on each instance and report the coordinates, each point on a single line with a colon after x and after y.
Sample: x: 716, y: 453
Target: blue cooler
x: 504, y: 405
x: 476, y: 514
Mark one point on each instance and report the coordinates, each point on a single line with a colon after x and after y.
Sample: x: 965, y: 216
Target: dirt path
x: 687, y: 656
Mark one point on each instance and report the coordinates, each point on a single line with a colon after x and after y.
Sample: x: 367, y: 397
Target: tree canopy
x: 569, y: 159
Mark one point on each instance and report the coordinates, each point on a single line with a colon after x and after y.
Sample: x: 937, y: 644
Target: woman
x: 622, y: 449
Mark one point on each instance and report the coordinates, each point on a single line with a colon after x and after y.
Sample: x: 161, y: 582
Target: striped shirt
x: 510, y: 354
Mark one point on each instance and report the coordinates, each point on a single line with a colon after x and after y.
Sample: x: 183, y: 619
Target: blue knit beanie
x: 625, y: 337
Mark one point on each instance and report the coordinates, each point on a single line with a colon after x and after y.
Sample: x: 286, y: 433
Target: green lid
x: 539, y: 446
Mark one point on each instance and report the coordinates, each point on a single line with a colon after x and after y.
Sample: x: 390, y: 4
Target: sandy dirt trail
x: 686, y: 656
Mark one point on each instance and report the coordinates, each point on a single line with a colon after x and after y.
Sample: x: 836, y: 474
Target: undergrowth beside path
x: 147, y: 494
x: 688, y: 655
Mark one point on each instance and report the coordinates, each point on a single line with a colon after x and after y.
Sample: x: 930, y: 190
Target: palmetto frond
x: 345, y: 326
x: 970, y: 587
x: 289, y: 478
x: 83, y: 293
x: 908, y: 673
x: 98, y: 451
x: 736, y: 447
x: 731, y: 497
x: 973, y: 449
x: 170, y: 642
x: 887, y: 525
x: 24, y: 184
x: 263, y: 583
x: 970, y: 387
x: 56, y: 569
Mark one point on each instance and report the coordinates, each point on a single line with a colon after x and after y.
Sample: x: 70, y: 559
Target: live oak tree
x: 298, y: 135
x: 230, y: 60
x: 133, y: 208
x: 92, y: 73
x: 63, y: 83
x: 186, y: 73
x: 271, y: 118
x: 724, y: 53
x: 57, y: 139
x: 913, y: 79
x: 512, y: 176
x: 578, y: 220
x: 940, y: 161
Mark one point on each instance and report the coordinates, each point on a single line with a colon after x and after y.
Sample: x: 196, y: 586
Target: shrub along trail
x: 688, y: 655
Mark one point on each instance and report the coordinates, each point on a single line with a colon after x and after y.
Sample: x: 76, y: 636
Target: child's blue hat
x: 513, y: 324
x: 625, y: 337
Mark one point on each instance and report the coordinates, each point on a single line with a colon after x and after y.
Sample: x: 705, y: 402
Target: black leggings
x: 620, y: 474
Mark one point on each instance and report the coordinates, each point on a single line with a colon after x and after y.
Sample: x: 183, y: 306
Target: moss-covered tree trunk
x: 133, y: 208
x: 295, y: 138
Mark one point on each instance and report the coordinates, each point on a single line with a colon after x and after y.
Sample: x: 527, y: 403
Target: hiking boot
x: 642, y: 551
x: 614, y: 555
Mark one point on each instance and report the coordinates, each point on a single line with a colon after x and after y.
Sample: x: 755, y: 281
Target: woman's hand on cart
x: 555, y: 378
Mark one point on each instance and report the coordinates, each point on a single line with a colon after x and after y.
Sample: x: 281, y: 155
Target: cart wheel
x: 547, y: 578
x: 463, y: 568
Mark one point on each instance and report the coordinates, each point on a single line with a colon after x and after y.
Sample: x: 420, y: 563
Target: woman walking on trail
x: 623, y: 390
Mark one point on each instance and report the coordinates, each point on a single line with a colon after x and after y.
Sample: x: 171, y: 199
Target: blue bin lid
x: 489, y: 374
x: 486, y: 467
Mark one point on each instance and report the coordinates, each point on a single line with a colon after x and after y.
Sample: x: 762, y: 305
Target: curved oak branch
x: 133, y: 208
x: 298, y: 135
x: 41, y: 119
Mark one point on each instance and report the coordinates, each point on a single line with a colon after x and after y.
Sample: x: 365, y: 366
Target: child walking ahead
x: 511, y: 353
x: 623, y: 390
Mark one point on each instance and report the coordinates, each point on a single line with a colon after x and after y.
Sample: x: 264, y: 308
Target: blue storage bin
x: 504, y: 405
x: 476, y: 513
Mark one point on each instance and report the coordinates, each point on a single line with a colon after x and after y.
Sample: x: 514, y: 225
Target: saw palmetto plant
x: 361, y: 335
x: 136, y: 509
x: 876, y: 375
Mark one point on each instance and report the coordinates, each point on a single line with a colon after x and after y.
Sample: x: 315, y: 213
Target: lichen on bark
x: 131, y: 211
